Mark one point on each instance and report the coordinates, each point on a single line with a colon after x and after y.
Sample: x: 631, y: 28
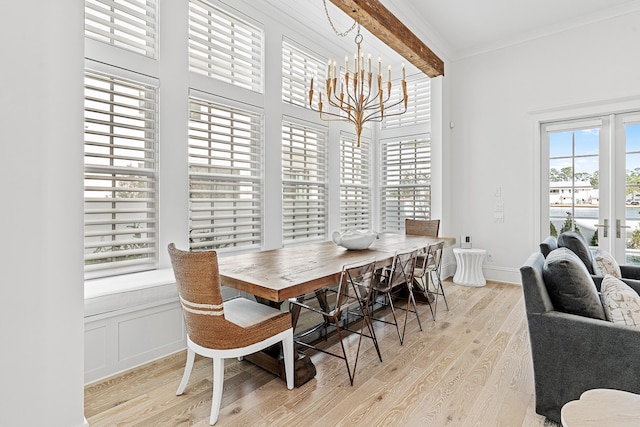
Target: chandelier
x: 359, y: 96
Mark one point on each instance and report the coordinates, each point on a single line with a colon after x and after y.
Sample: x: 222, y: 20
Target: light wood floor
x: 471, y: 367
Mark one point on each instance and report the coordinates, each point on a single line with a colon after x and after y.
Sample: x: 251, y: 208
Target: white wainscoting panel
x: 131, y: 320
x: 121, y: 341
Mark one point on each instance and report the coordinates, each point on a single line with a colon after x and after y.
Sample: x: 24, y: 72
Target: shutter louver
x: 120, y: 219
x: 355, y: 203
x: 418, y: 106
x: 129, y: 24
x: 304, y: 190
x: 225, y: 177
x: 297, y: 69
x: 224, y: 47
x: 406, y: 182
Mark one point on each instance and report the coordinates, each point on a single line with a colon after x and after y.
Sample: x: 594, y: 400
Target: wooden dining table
x: 276, y: 275
x: 279, y: 274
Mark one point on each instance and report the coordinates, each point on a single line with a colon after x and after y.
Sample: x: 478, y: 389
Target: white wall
x: 496, y: 98
x: 41, y: 325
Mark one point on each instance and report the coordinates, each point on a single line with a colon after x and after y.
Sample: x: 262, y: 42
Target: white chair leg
x: 218, y: 380
x: 191, y: 355
x: 287, y: 348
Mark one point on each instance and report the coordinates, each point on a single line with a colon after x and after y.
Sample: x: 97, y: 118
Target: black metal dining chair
x: 392, y: 280
x: 427, y: 276
x: 352, y: 295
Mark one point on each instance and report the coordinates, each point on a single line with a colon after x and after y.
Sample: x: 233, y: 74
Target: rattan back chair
x: 223, y: 329
x: 421, y: 227
x: 396, y: 278
x: 352, y: 295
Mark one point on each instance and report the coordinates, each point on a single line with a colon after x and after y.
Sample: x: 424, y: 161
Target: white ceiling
x: 467, y: 27
x: 455, y: 29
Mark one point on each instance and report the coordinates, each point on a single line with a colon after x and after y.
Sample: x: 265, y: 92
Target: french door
x: 591, y: 169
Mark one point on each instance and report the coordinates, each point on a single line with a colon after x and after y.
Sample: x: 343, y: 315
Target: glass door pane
x: 630, y: 227
x: 574, y: 179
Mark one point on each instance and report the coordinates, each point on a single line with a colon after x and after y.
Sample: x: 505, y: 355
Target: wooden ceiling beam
x: 376, y: 18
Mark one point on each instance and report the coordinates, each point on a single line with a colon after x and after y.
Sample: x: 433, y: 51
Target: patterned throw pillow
x: 604, y: 263
x: 621, y: 303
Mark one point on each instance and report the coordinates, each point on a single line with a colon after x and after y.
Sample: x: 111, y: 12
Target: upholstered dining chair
x: 352, y: 294
x: 222, y: 330
x: 395, y: 278
x: 421, y: 227
x: 427, y: 276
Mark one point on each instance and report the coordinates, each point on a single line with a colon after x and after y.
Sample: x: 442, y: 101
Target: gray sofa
x: 573, y: 353
x: 577, y: 243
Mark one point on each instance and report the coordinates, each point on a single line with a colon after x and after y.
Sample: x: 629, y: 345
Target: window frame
x: 211, y: 28
x: 299, y: 66
x: 239, y: 148
x: 126, y: 141
x: 423, y: 160
x: 313, y: 224
x: 355, y: 186
x: 127, y: 24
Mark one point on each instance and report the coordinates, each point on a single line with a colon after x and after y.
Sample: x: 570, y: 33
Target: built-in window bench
x: 130, y: 320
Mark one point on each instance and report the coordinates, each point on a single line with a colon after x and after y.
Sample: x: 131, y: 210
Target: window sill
x: 128, y: 292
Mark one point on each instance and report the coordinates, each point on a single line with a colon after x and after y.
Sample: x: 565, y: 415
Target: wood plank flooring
x: 471, y: 367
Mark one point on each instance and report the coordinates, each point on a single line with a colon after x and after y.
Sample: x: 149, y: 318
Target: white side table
x: 469, y: 267
x: 602, y: 407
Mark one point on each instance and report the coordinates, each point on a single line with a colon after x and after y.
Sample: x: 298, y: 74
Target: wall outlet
x: 489, y: 257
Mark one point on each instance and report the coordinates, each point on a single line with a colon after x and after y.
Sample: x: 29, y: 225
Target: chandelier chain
x: 338, y: 33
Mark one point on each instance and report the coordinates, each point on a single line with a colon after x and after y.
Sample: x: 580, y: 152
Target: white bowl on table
x: 355, y: 239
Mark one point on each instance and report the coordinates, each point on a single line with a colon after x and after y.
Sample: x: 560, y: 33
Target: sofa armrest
x: 572, y: 354
x: 630, y: 271
x: 634, y: 284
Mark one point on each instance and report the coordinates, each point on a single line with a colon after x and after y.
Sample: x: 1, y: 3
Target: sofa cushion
x: 604, y: 263
x: 577, y: 243
x: 570, y: 285
x: 621, y: 302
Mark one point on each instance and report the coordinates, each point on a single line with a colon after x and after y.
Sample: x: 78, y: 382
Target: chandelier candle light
x: 357, y: 99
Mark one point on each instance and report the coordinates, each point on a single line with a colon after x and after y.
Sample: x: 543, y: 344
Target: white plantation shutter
x: 355, y: 187
x: 129, y: 24
x: 225, y: 177
x: 406, y: 182
x: 120, y: 215
x: 418, y: 104
x: 224, y: 46
x: 304, y: 210
x: 298, y: 67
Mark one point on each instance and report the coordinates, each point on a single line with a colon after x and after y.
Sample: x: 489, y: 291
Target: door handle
x: 618, y: 227
x: 605, y: 232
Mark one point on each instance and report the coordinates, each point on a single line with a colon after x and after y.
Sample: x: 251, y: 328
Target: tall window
x: 355, y: 183
x: 225, y: 177
x: 304, y: 212
x: 298, y: 67
x: 120, y: 215
x: 406, y: 182
x: 224, y: 46
x: 129, y: 24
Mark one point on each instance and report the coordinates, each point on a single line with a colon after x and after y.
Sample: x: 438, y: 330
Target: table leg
x: 271, y: 359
